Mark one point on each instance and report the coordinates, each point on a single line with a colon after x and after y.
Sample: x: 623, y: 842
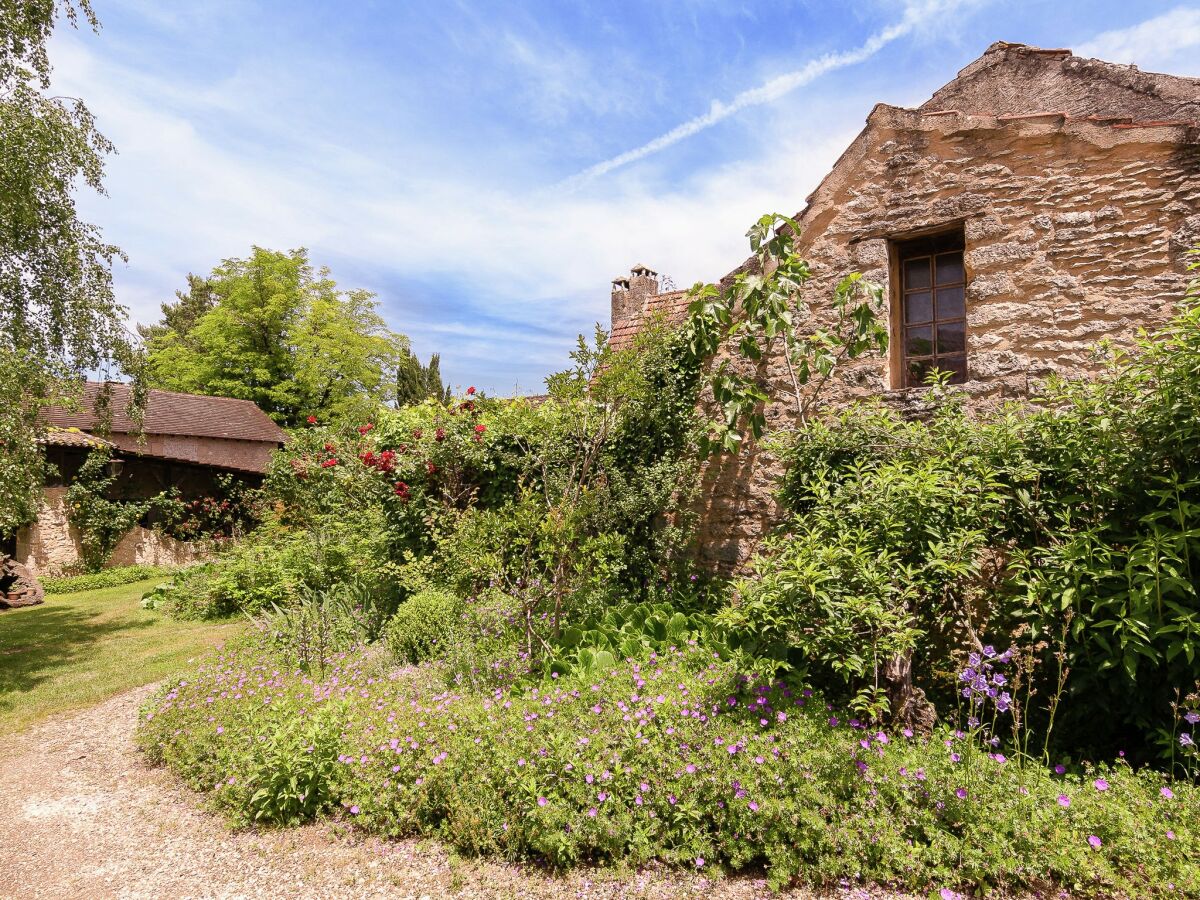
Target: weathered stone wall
x: 51, y: 545
x: 1075, y: 231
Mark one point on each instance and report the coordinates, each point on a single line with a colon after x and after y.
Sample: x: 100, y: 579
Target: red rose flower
x: 312, y: 420
x: 430, y: 467
x: 332, y: 461
x: 417, y: 433
x: 440, y: 434
x: 363, y: 429
x: 470, y: 391
x: 329, y: 448
x: 480, y: 429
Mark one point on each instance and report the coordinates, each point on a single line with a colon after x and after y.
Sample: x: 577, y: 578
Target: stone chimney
x: 631, y: 292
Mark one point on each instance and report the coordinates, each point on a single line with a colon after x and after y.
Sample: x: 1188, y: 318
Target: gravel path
x: 82, y: 816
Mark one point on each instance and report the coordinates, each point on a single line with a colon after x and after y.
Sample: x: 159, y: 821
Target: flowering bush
x: 677, y: 758
x: 100, y: 521
x: 208, y: 518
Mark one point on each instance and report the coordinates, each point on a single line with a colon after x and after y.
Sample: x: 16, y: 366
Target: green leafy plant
x: 679, y: 758
x: 762, y: 310
x: 100, y: 521
x: 107, y: 578
x: 912, y: 542
x: 425, y: 626
x: 322, y: 623
x: 630, y: 632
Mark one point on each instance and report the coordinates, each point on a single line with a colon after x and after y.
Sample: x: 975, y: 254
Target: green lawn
x: 78, y: 649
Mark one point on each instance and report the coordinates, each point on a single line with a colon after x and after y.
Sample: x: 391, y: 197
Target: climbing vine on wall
x: 762, y: 311
x: 100, y: 521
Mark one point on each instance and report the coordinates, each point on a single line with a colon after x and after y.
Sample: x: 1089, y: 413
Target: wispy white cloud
x: 1164, y: 42
x: 210, y: 165
x: 916, y: 14
x: 182, y: 198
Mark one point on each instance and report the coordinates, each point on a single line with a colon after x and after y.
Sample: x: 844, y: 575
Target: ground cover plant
x: 479, y: 619
x: 117, y: 575
x: 677, y: 757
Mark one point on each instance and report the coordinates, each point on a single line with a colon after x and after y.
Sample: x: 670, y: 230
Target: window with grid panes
x: 933, y: 311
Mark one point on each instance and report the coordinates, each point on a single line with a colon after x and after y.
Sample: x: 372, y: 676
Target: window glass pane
x: 918, y: 307
x: 951, y: 337
x: 949, y: 268
x: 955, y: 364
x: 917, y: 370
x: 916, y: 273
x: 919, y: 341
x: 950, y: 304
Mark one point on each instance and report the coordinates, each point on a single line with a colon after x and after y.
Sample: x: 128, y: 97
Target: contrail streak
x: 772, y: 90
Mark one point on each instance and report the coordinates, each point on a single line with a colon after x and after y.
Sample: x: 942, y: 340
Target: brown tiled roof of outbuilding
x: 169, y: 413
x: 73, y: 437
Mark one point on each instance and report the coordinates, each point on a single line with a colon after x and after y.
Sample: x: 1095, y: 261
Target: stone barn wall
x: 50, y: 546
x: 1074, y: 231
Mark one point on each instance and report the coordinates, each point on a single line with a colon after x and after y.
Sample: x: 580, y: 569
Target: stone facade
x: 1076, y: 200
x: 50, y: 546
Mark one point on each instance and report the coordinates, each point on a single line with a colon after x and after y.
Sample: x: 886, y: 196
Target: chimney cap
x: 621, y: 281
x: 640, y: 269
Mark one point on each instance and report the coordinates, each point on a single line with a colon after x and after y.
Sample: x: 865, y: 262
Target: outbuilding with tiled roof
x: 189, y: 446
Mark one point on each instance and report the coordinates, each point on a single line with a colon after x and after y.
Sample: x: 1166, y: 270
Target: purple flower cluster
x: 983, y: 682
x: 677, y: 756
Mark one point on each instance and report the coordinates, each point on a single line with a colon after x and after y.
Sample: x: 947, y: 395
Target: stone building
x: 1036, y: 204
x: 185, y: 442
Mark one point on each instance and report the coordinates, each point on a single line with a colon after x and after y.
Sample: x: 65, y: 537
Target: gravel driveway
x: 82, y: 816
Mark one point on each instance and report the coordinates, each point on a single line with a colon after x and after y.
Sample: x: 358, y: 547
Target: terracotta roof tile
x: 73, y: 437
x: 170, y: 413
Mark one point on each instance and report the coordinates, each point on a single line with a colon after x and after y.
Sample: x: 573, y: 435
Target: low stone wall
x: 50, y: 546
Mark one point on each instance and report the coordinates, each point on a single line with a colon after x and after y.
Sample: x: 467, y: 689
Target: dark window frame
x: 930, y: 307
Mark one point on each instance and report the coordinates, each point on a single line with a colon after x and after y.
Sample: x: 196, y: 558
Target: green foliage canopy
x: 1078, y: 511
x: 416, y: 382
x: 270, y: 329
x: 58, y: 315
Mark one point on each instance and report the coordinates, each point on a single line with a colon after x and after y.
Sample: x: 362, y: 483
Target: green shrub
x: 104, y: 578
x: 425, y: 626
x: 922, y: 540
x: 277, y: 563
x: 558, y: 504
x: 100, y: 521
x: 677, y: 758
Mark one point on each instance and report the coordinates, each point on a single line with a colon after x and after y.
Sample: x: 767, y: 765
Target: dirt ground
x: 82, y: 816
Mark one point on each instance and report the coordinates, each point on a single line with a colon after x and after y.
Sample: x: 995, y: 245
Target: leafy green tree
x: 415, y: 382
x: 181, y: 316
x: 58, y: 315
x: 731, y: 328
x: 271, y: 329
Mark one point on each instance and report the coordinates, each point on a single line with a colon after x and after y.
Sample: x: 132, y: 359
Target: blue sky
x: 487, y: 168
